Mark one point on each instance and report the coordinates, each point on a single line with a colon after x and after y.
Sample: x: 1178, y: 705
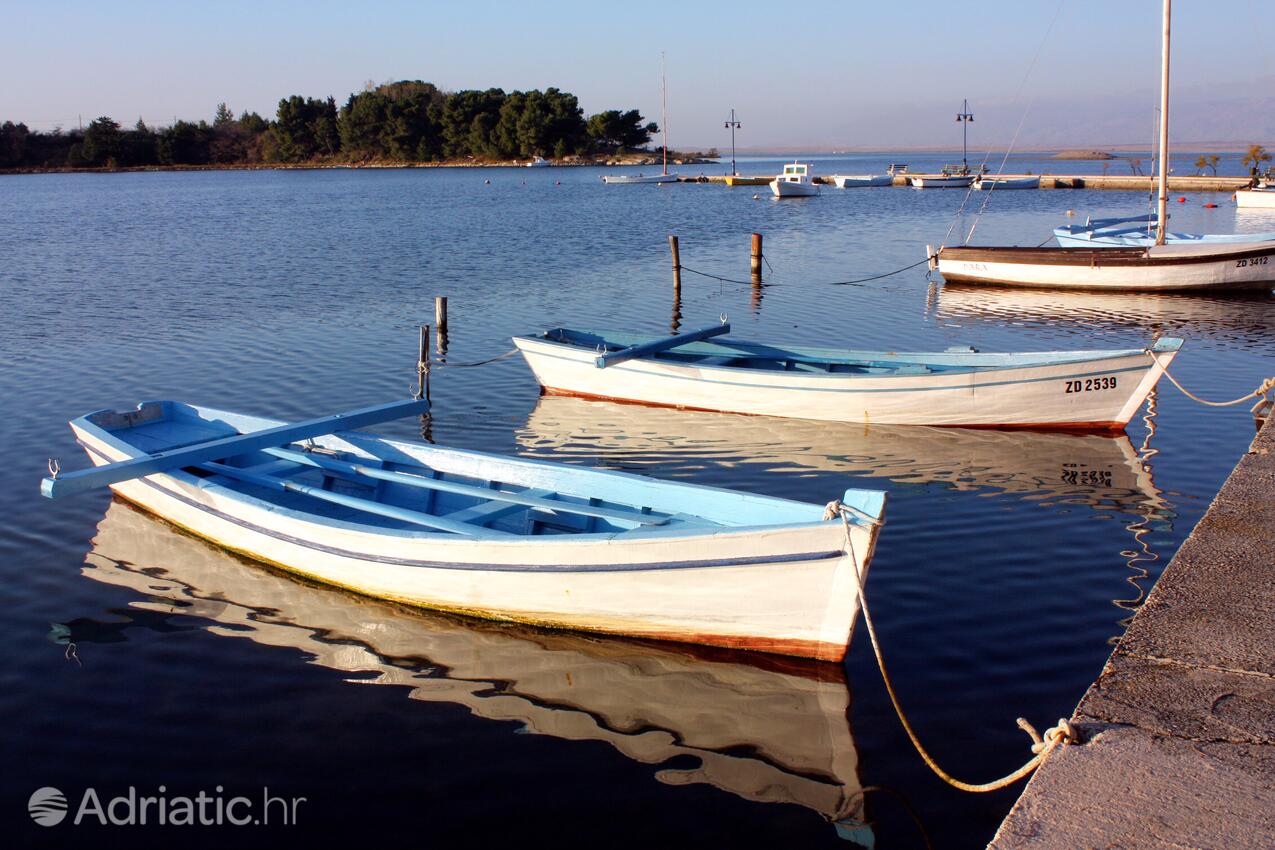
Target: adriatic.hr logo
x: 48, y: 807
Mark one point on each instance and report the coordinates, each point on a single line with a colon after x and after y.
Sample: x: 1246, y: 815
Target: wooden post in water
x: 440, y: 322
x: 755, y: 257
x: 422, y: 365
x: 677, y: 265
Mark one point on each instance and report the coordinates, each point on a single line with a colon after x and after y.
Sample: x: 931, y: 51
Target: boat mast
x: 1162, y: 205
x: 664, y: 108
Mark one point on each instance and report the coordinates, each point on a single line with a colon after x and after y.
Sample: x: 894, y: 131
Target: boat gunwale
x: 1117, y: 256
x: 831, y: 356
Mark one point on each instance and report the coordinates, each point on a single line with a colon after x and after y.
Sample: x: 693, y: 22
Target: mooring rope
x: 447, y: 364
x: 1042, y: 746
x: 824, y: 283
x: 1262, y: 390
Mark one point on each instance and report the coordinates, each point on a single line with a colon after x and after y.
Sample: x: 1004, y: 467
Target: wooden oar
x: 613, y: 357
x: 224, y: 447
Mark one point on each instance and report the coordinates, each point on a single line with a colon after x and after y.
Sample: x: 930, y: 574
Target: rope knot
x: 1061, y: 733
x: 832, y: 510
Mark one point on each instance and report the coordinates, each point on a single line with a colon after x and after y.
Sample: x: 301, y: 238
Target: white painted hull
x: 856, y: 181
x: 781, y: 589
x: 942, y: 182
x: 640, y: 178
x: 764, y: 732
x: 1007, y: 183
x: 787, y: 189
x: 1165, y: 268
x: 1027, y: 396
x: 1255, y: 198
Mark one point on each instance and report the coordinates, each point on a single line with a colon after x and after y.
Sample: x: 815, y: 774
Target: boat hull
x: 781, y: 589
x: 788, y: 189
x: 1007, y: 183
x: 640, y: 178
x: 1037, y: 396
x: 1169, y: 268
x: 950, y: 182
x: 856, y: 181
x: 737, y: 180
x: 1255, y: 198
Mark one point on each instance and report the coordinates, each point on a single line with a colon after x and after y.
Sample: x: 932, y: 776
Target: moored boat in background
x: 795, y: 182
x: 853, y: 181
x: 1060, y: 389
x: 984, y: 183
x: 1259, y: 197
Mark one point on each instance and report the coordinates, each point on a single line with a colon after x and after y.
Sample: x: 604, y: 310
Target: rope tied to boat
x: 855, y: 282
x: 450, y: 365
x: 1263, y: 390
x: 1042, y: 745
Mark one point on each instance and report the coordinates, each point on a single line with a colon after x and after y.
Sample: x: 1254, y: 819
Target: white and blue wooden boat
x: 1140, y: 231
x: 502, y: 538
x: 1090, y: 390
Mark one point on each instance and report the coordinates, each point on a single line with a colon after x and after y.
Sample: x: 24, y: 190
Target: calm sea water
x: 136, y: 656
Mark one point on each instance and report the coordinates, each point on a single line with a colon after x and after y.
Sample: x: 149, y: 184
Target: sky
x: 800, y: 75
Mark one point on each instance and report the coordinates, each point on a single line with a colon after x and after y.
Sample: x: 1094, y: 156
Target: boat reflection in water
x: 1235, y: 317
x: 1097, y: 469
x: 772, y: 730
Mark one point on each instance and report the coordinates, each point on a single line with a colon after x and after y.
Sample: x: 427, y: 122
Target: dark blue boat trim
x: 505, y: 568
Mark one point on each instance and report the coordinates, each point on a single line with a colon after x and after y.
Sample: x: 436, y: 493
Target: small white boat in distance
x: 538, y: 162
x: 853, y: 181
x: 549, y: 544
x: 795, y: 182
x: 985, y: 183
x: 1259, y: 197
x: 1078, y: 390
x: 943, y: 181
x: 640, y: 178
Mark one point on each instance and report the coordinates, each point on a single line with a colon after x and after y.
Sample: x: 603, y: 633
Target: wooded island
x: 394, y: 123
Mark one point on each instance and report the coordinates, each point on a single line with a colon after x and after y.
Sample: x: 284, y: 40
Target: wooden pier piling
x: 755, y: 258
x: 677, y: 264
x: 440, y: 322
x: 422, y: 365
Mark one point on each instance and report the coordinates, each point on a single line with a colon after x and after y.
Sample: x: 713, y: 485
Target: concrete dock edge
x: 1178, y: 732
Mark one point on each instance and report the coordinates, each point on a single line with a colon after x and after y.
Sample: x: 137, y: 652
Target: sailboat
x: 663, y: 176
x: 1163, y: 265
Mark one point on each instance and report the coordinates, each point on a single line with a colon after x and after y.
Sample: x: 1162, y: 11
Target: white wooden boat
x: 1045, y: 467
x: 1159, y: 268
x: 1117, y: 263
x: 496, y: 537
x: 942, y: 181
x: 854, y: 181
x: 985, y: 183
x: 1061, y: 389
x: 1261, y: 197
x: 764, y: 729
x: 664, y: 176
x: 640, y: 178
x: 795, y: 182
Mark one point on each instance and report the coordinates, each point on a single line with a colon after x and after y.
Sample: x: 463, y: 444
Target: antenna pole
x: 664, y: 109
x: 1163, y: 203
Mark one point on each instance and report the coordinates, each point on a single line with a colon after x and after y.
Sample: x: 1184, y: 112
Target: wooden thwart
x: 225, y: 447
x: 611, y: 358
x: 525, y: 497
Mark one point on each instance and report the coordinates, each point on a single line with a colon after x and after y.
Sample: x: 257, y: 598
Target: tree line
x: 406, y: 121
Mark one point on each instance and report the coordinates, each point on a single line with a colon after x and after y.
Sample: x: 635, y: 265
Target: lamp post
x: 733, y: 125
x: 965, y: 117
